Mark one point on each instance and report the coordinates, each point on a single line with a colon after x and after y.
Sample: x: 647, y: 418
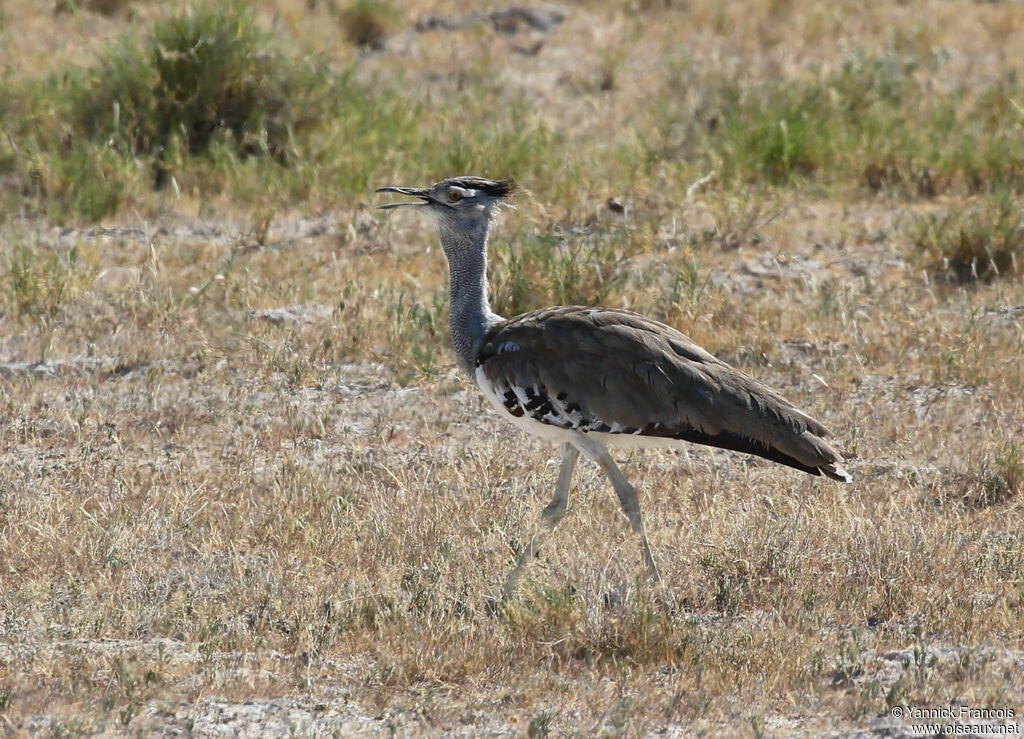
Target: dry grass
x: 216, y: 514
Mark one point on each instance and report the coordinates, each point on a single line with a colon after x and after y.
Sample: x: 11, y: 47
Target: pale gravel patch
x: 292, y: 314
x: 285, y: 716
x: 285, y: 231
x: 98, y: 366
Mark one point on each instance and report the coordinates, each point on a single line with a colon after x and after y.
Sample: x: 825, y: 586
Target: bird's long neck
x: 470, y: 315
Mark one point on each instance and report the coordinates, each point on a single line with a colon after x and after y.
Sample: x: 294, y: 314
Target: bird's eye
x: 454, y: 196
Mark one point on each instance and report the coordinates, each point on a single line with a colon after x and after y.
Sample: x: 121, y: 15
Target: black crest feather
x: 494, y: 188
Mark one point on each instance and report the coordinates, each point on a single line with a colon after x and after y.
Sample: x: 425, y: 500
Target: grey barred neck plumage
x: 463, y: 209
x: 589, y: 378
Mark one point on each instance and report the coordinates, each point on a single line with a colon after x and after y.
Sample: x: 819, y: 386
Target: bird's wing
x: 614, y: 371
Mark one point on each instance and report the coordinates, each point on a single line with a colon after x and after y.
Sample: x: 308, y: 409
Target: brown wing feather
x: 599, y: 369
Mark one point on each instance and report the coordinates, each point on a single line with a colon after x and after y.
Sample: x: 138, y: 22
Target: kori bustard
x: 589, y: 379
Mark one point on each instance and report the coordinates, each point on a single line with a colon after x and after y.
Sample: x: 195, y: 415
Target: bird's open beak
x: 425, y: 199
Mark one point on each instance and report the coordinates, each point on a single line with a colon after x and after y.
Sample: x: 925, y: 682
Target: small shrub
x: 202, y: 74
x: 979, y: 242
x: 103, y: 7
x: 368, y: 23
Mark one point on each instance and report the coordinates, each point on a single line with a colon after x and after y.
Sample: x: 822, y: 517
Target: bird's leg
x: 631, y: 507
x: 552, y: 514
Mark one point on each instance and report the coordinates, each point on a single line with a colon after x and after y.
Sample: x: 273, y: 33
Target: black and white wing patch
x: 511, y: 375
x: 540, y: 405
x: 555, y: 409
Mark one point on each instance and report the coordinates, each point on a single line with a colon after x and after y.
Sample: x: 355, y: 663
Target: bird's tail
x: 836, y: 472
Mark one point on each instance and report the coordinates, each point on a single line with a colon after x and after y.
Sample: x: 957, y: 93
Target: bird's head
x: 459, y: 205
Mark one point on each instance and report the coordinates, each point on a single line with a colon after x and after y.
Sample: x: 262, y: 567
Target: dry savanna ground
x: 243, y: 489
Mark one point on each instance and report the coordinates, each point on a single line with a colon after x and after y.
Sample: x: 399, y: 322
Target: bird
x: 593, y: 379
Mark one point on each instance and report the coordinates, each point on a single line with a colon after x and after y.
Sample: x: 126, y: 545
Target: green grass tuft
x: 981, y: 241
x: 539, y: 269
x: 39, y: 281
x: 871, y: 123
